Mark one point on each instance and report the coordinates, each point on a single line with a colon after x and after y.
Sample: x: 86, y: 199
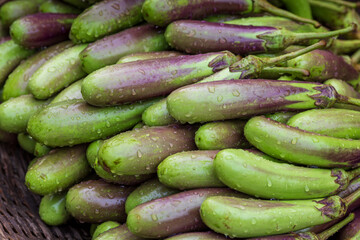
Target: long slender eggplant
x: 82, y: 4
x: 220, y: 100
x: 107, y: 51
x: 301, y: 147
x: 11, y: 55
x: 193, y: 36
x: 176, y: 213
x: 254, y: 175
x: 244, y: 218
x: 340, y: 123
x: 105, y: 18
x: 133, y: 81
x: 73, y: 122
x: 17, y: 82
x: 41, y: 29
x: 162, y: 13
x: 198, y: 236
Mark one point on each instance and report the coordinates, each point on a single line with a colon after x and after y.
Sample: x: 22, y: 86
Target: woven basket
x: 19, y: 218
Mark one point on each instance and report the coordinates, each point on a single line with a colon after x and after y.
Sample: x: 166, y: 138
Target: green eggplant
x: 16, y: 9
x: 157, y: 115
x: 103, y: 227
x: 11, y: 55
x: 54, y: 6
x: 73, y: 122
x: 17, y: 82
x: 16, y: 112
x: 189, y: 170
x: 119, y: 233
x: 301, y: 147
x: 282, y: 117
x: 254, y: 175
x: 92, y: 157
x: 245, y: 218
x: 58, y: 170
x: 147, y: 55
x: 146, y: 192
x: 57, y: 73
x: 52, y: 209
x: 140, y: 151
x: 41, y: 149
x: 221, y: 135
x: 105, y: 18
x: 26, y: 142
x: 339, y: 123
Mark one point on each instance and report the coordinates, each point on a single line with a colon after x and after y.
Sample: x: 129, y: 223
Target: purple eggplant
x: 352, y: 230
x: 133, y: 81
x: 161, y: 13
x: 194, y: 36
x: 41, y: 29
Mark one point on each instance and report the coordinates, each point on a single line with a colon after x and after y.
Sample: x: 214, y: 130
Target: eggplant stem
x: 267, y: 7
x: 291, y: 55
x: 352, y: 198
x: 286, y: 70
x: 307, y: 36
x: 343, y: 3
x: 332, y: 230
x: 327, y: 5
x: 348, y: 100
x: 355, y: 58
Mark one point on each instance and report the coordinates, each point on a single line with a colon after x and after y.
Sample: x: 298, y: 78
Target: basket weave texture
x: 19, y: 218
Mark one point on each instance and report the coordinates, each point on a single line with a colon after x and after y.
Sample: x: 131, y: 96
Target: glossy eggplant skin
x: 41, y: 29
x: 97, y: 201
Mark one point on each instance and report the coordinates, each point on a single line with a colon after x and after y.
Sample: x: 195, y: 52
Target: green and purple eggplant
x: 55, y: 6
x: 13, y: 10
x: 257, y: 176
x: 324, y: 65
x: 105, y: 18
x: 221, y: 135
x: 17, y: 82
x: 119, y: 233
x: 178, y: 213
x: 16, y: 112
x: 352, y: 230
x: 107, y: 51
x: 52, y: 209
x: 162, y: 13
x: 189, y: 170
x: 73, y: 122
x: 96, y: 201
x: 148, y: 191
x: 57, y: 73
x: 41, y: 29
x: 343, y: 88
x: 140, y: 151
x: 193, y: 36
x: 92, y: 157
x: 133, y: 81
x: 148, y: 55
x: 221, y: 100
x: 58, y: 170
x: 246, y: 218
x: 301, y: 147
x: 11, y: 55
x: 339, y: 123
